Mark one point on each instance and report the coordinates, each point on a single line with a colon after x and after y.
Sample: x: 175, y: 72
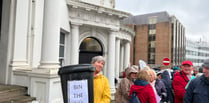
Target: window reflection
x: 90, y: 44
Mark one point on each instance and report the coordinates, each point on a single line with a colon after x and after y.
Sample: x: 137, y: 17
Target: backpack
x: 134, y: 98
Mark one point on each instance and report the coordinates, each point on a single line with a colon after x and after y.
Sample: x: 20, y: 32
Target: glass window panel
x: 62, y: 38
x: 152, y: 44
x: 61, y: 52
x: 152, y: 31
x: 152, y: 56
x: 90, y: 44
x: 153, y: 20
x: 151, y: 38
x: 152, y: 26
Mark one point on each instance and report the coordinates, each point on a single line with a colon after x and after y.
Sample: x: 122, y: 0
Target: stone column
x: 51, y: 36
x: 74, y: 44
x: 122, y: 58
x: 68, y: 49
x: 111, y: 61
x: 44, y: 82
x: 127, y: 54
x: 117, y: 58
x: 19, y: 60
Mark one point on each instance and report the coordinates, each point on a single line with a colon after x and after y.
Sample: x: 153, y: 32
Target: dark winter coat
x: 161, y: 89
x: 144, y: 91
x: 168, y: 84
x: 197, y: 91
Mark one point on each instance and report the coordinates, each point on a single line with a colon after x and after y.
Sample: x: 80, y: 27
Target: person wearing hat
x: 181, y: 79
x: 122, y: 93
x: 198, y: 89
x: 175, y: 69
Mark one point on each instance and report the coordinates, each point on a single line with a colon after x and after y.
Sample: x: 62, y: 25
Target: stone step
x: 14, y: 94
x: 19, y: 99
x: 9, y: 91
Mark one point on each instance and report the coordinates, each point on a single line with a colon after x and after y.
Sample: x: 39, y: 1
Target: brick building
x: 158, y: 36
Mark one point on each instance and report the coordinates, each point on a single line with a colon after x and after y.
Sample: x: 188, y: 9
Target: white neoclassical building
x: 39, y: 36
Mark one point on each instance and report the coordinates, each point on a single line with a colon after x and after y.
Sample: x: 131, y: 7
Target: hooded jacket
x: 167, y: 81
x: 101, y: 89
x: 198, y: 91
x: 145, y: 93
x: 179, y: 83
x: 122, y: 93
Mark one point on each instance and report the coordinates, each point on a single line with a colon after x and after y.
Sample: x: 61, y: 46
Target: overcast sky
x: 193, y: 14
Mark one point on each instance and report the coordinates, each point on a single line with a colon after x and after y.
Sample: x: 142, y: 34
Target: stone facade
x: 30, y: 41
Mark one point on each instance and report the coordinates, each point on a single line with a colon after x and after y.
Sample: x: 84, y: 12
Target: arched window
x: 89, y: 48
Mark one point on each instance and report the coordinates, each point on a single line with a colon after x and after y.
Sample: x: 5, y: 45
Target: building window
x: 152, y: 26
x: 89, y: 48
x: 90, y: 44
x: 152, y: 44
x: 151, y: 38
x: 151, y: 58
x: 62, y: 48
x: 152, y: 50
x: 152, y: 32
x: 153, y: 20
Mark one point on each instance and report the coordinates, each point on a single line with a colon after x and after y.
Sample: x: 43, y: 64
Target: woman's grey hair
x: 97, y: 58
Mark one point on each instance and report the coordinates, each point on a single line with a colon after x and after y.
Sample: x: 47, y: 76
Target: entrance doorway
x: 89, y: 48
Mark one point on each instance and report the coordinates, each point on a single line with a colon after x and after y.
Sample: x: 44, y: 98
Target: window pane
x: 90, y: 44
x: 153, y: 20
x: 62, y: 38
x: 152, y: 31
x: 61, y: 54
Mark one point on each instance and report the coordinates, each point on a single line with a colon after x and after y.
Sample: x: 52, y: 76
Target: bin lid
x: 76, y: 68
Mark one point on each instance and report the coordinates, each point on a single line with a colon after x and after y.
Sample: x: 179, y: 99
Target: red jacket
x: 145, y: 93
x: 180, y: 81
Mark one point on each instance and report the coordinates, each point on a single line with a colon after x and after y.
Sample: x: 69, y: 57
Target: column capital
x: 127, y: 41
x: 118, y: 39
x: 124, y: 41
x: 76, y: 24
x: 114, y: 30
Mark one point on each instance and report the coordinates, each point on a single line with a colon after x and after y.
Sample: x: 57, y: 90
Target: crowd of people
x: 182, y: 84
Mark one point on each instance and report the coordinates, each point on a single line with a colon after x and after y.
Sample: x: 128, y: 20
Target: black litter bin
x: 77, y: 83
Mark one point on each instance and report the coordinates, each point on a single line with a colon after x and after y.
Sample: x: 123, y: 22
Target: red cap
x: 187, y: 62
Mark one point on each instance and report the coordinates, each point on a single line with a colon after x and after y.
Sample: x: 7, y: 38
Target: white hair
x: 97, y: 58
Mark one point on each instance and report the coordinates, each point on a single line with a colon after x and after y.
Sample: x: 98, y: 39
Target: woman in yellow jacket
x: 101, y: 84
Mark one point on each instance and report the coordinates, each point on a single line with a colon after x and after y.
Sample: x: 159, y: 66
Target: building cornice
x: 99, y: 9
x: 127, y: 29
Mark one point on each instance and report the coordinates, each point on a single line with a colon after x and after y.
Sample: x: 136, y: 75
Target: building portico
x: 53, y: 37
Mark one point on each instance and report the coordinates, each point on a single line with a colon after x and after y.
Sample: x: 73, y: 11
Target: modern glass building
x: 197, y: 51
